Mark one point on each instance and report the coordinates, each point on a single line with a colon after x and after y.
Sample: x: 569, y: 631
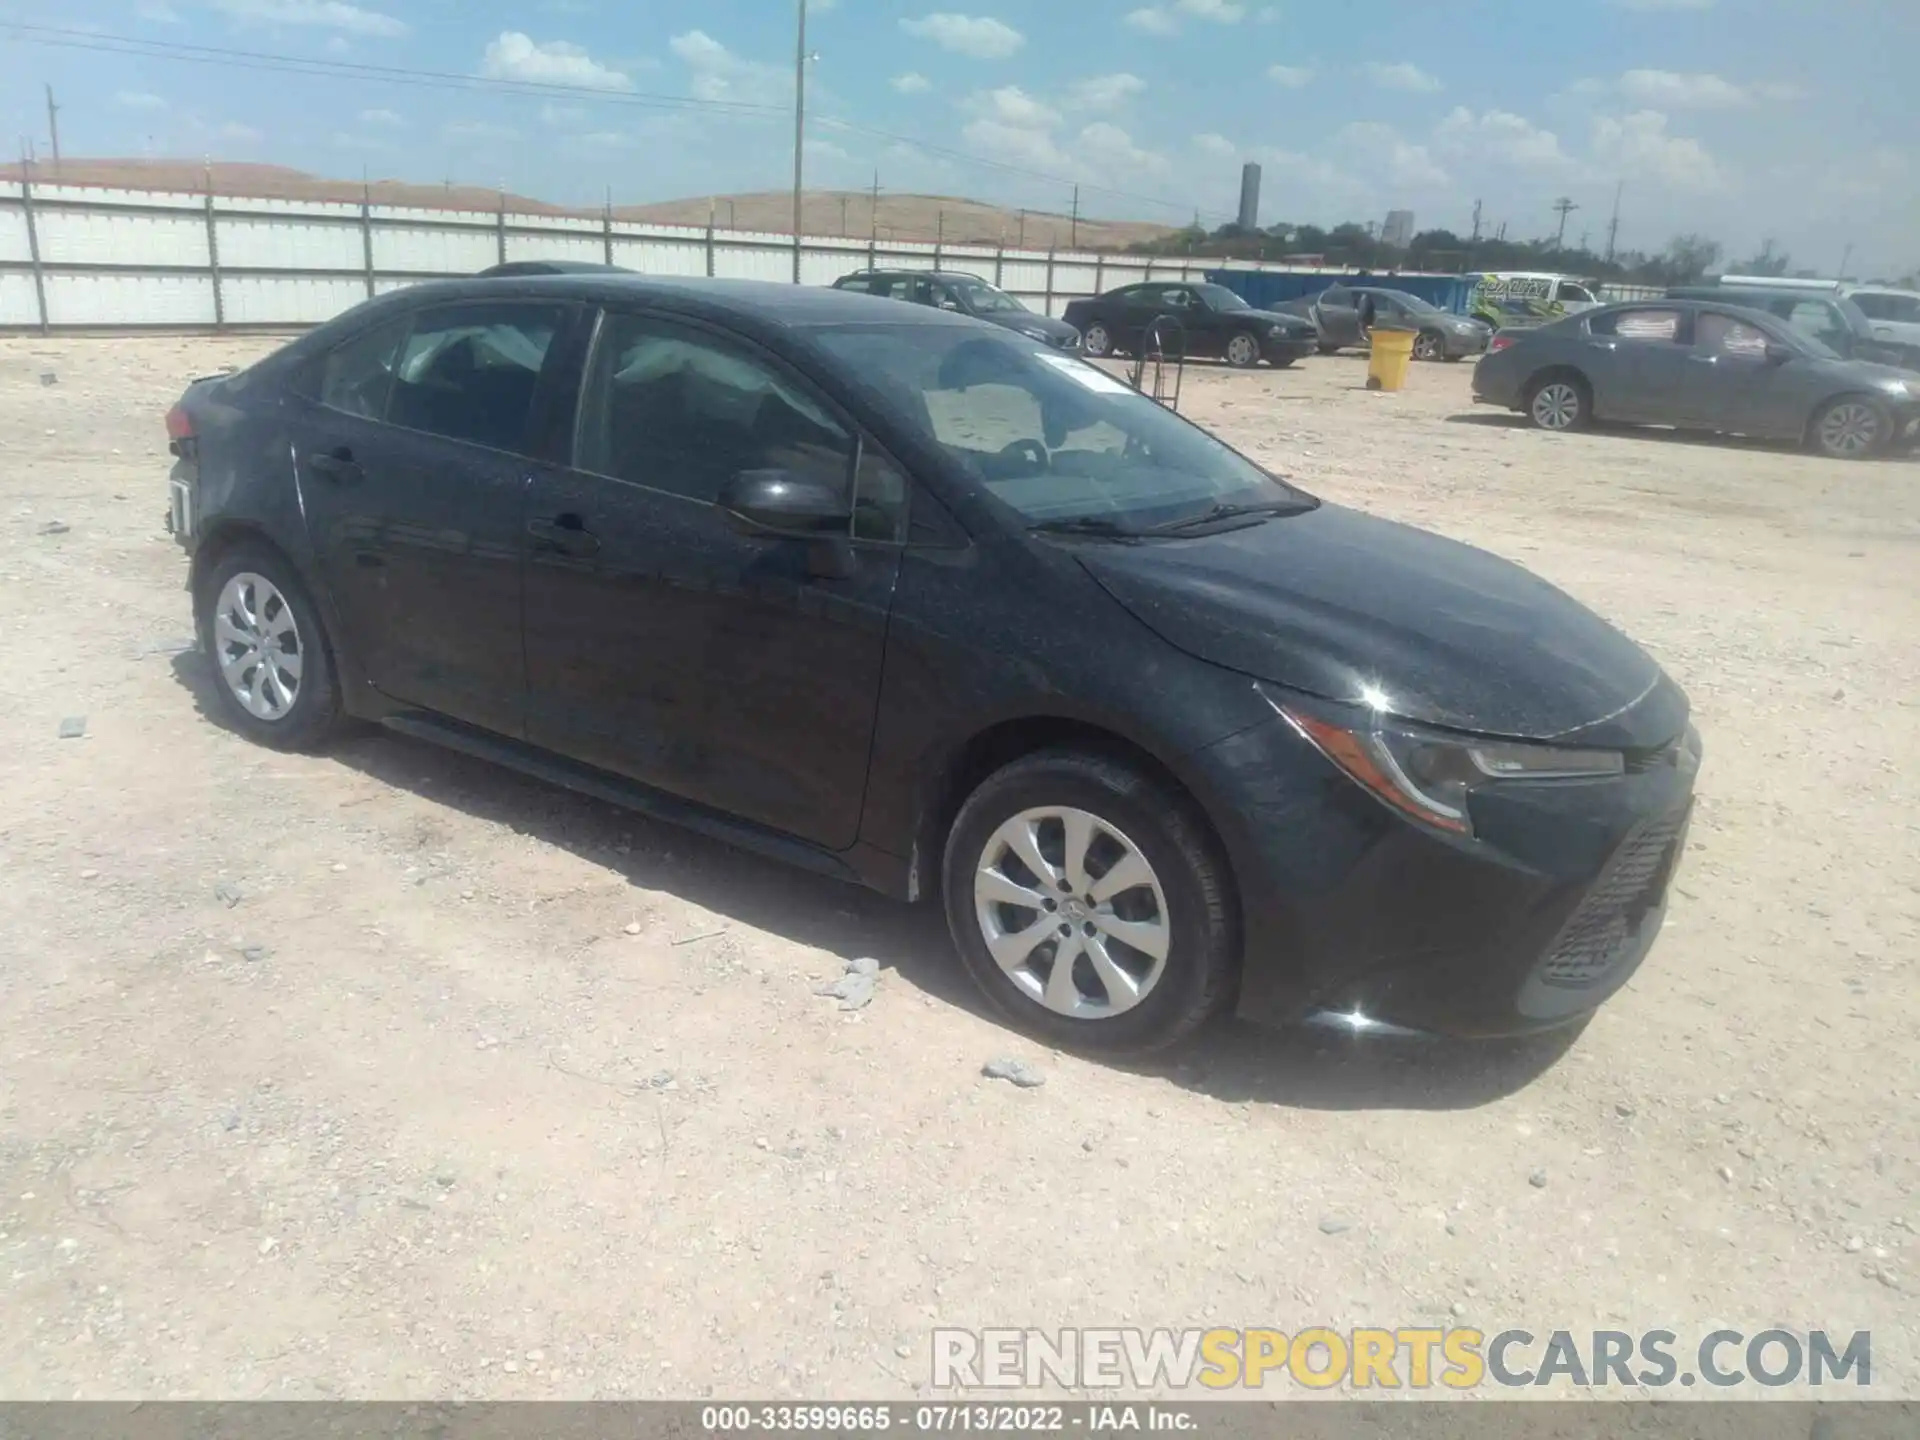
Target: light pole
x: 799, y: 131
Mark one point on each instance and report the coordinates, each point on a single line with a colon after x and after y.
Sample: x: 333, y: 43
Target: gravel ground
x: 385, y: 1073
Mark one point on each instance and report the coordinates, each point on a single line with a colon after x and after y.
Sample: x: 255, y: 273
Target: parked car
x: 964, y: 294
x: 1700, y: 366
x: 912, y: 601
x: 1211, y: 320
x: 1894, y: 316
x: 1824, y: 315
x: 1338, y: 311
x: 515, y: 269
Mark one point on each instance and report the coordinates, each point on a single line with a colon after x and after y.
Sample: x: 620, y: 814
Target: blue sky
x: 1745, y: 119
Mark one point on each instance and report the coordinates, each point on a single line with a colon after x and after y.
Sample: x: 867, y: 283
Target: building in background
x: 1398, y: 231
x: 1249, y: 196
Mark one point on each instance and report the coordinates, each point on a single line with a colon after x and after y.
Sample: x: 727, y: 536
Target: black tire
x: 1452, y: 359
x: 1329, y: 349
x: 314, y: 714
x: 1202, y: 963
x: 1429, y: 345
x: 1283, y: 362
x: 1249, y: 352
x: 1578, y: 417
x: 1860, y: 441
x: 1097, y: 340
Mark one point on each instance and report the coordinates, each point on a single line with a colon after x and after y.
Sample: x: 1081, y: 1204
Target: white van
x: 1518, y: 297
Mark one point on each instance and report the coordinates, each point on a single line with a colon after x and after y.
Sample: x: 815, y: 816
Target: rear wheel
x: 1089, y: 903
x: 1098, y: 340
x: 1852, y: 427
x: 1427, y: 345
x: 1243, y: 350
x: 1559, y: 402
x: 272, y: 668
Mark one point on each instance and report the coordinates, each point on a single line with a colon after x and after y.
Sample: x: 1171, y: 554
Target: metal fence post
x: 33, y: 248
x: 1149, y: 267
x: 366, y: 242
x: 500, y: 228
x: 1049, y: 306
x: 1100, y: 274
x: 606, y: 231
x: 1000, y: 266
x: 213, y: 266
x: 709, y: 248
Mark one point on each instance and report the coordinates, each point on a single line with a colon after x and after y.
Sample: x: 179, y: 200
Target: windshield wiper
x: 1086, y: 525
x: 1222, y: 511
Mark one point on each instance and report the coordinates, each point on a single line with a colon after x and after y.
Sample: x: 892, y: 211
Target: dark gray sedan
x: 1698, y: 366
x: 1340, y: 313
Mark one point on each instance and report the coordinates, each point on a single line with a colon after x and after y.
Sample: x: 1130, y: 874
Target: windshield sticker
x: 1091, y: 376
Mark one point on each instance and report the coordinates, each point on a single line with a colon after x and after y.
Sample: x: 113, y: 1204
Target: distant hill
x: 824, y: 212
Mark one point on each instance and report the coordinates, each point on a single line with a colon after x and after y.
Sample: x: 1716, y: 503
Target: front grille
x: 1602, y: 929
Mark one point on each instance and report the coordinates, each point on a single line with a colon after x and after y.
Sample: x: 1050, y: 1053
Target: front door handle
x: 564, y: 534
x: 337, y: 465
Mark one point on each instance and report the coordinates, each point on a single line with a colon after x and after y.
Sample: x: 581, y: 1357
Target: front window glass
x: 1046, y: 434
x: 1218, y: 297
x: 983, y: 299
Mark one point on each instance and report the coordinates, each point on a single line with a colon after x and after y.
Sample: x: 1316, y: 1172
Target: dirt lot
x: 384, y: 1073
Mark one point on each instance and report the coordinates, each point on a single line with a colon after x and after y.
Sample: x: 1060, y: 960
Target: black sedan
x: 1201, y: 319
x: 919, y: 603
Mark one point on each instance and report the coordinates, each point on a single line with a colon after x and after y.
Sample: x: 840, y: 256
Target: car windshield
x: 1218, y: 297
x: 1050, y: 436
x: 983, y: 299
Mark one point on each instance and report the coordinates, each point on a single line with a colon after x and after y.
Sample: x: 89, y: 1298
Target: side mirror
x: 1778, y: 354
x: 787, y: 502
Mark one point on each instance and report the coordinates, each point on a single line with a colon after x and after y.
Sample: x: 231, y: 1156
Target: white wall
x: 124, y: 258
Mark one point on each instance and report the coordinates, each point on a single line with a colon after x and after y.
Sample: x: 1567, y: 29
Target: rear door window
x: 1652, y: 325
x: 356, y: 377
x: 469, y: 372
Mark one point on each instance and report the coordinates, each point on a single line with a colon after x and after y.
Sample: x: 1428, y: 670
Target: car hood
x: 1343, y: 605
x: 1055, y: 330
x: 1274, y: 317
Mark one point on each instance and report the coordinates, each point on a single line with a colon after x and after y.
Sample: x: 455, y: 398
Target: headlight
x: 1898, y: 388
x: 1429, y: 776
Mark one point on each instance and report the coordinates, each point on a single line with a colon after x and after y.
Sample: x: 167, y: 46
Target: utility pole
x: 1845, y: 256
x: 843, y: 217
x: 1476, y: 222
x: 1564, y: 207
x: 53, y: 126
x: 1073, y: 230
x: 799, y: 130
x: 1613, y: 225
x: 1023, y: 229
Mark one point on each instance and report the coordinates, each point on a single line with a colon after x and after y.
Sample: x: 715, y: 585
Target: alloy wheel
x: 1096, y: 341
x: 1242, y: 351
x: 1072, y: 912
x: 257, y: 644
x: 1849, y: 428
x: 1556, y: 406
x: 1426, y: 347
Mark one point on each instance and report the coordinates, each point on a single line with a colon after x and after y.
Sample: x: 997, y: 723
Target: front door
x: 1733, y: 386
x: 412, y: 462
x: 662, y: 643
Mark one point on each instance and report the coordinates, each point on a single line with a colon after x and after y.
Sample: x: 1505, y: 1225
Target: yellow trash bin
x: 1392, y: 353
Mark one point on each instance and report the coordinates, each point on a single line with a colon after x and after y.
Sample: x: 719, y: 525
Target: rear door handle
x: 338, y: 466
x: 564, y: 534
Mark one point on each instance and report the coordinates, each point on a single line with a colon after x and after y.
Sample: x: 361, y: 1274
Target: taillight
x: 1499, y: 343
x: 179, y: 431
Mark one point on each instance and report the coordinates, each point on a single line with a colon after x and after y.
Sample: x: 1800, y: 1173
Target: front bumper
x: 1349, y: 908
x: 1289, y: 348
x: 1465, y: 344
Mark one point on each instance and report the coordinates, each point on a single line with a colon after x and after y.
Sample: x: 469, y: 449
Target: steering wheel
x: 1029, y: 450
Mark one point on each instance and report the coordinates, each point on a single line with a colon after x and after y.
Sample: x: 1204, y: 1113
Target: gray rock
x: 854, y: 990
x: 1624, y: 1109
x: 444, y: 1179
x: 1014, y: 1072
x: 1538, y: 1179
x: 55, y: 527
x: 865, y: 965
x: 1334, y: 1225
x: 255, y: 952
x: 73, y: 727
x: 228, y: 895
x: 49, y: 377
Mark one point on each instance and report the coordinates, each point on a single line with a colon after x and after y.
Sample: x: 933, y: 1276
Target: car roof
x: 747, y: 304
x: 909, y: 270
x: 1772, y: 292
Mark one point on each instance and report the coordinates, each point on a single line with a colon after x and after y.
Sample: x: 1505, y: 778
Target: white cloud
x: 1779, y: 90
x: 1403, y: 75
x: 980, y: 36
x: 1266, y: 15
x: 1224, y: 12
x: 158, y: 12
x: 1010, y: 105
x: 386, y: 118
x: 320, y: 14
x: 1638, y: 147
x: 518, y: 56
x: 1502, y: 136
x: 338, y: 45
x: 1112, y: 151
x: 240, y: 133
x: 1395, y: 160
x: 1104, y: 92
x: 719, y: 74
x: 1674, y: 90
x: 1153, y: 20
x: 1011, y: 126
x: 139, y: 100
x: 911, y: 83
x: 1290, y: 77
x: 560, y: 116
x: 1217, y: 145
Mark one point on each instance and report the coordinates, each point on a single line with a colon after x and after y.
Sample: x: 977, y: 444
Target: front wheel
x: 1243, y: 351
x: 1851, y: 428
x: 1097, y: 341
x: 1559, y: 402
x: 1090, y: 903
x: 1329, y: 348
x: 272, y: 668
x: 1428, y: 346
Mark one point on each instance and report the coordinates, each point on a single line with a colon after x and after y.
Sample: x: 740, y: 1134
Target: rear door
x: 1639, y: 365
x: 1339, y: 321
x: 412, y: 459
x: 733, y: 670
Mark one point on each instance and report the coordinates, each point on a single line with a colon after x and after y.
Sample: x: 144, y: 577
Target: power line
x: 438, y: 79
